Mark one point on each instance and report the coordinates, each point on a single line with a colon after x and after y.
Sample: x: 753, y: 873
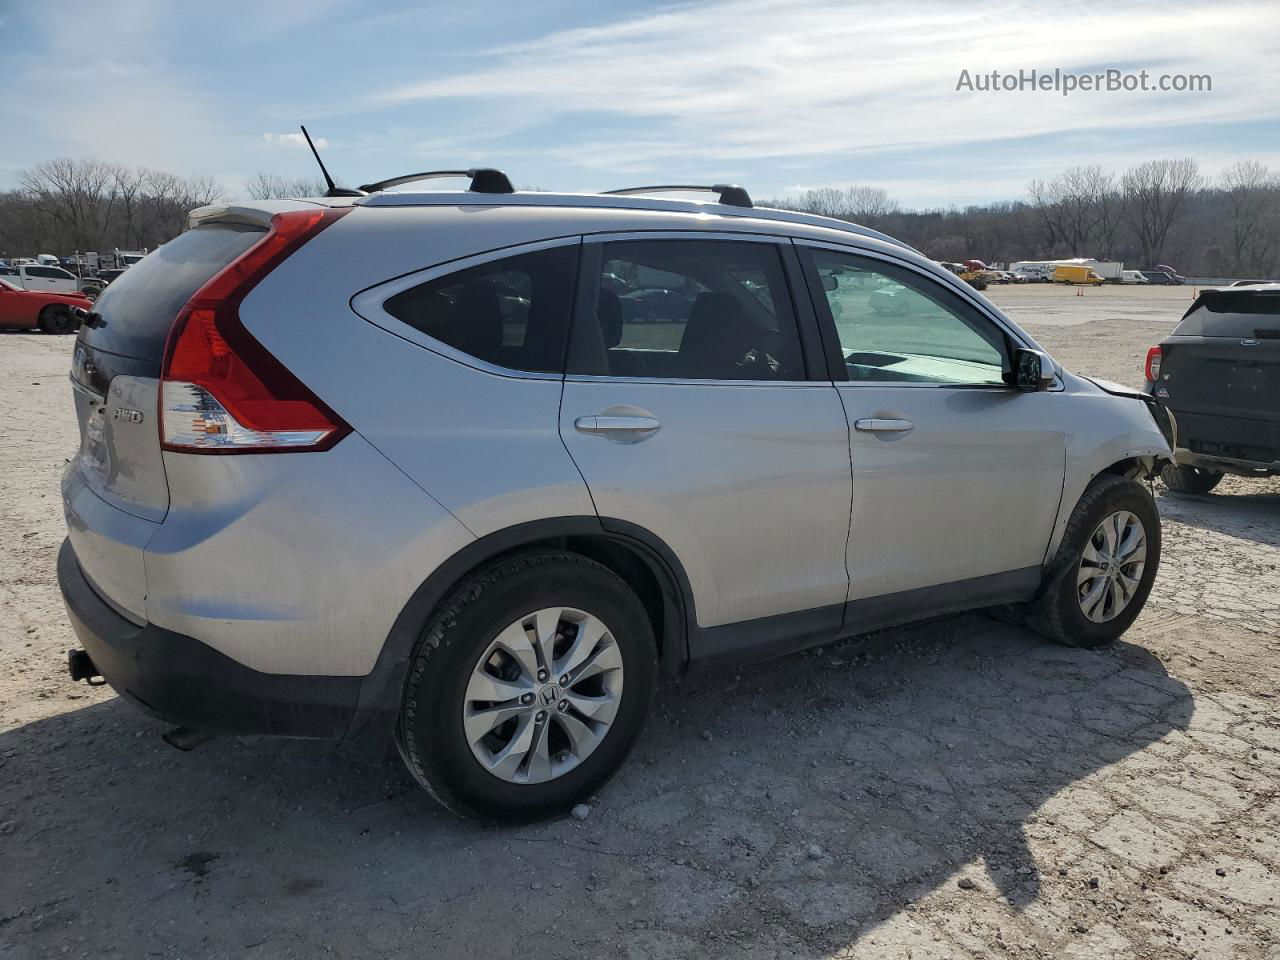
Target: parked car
x: 33, y: 276
x: 1163, y: 277
x: 483, y: 543
x: 1250, y: 283
x: 1219, y: 374
x: 107, y: 276
x: 1133, y: 276
x: 28, y: 309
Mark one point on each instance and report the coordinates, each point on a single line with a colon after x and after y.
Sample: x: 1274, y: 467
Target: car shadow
x: 796, y: 805
x: 1249, y: 516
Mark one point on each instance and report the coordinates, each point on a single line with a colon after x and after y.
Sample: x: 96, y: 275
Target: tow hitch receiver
x: 81, y: 666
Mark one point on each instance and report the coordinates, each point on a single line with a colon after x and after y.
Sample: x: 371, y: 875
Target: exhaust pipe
x: 82, y: 667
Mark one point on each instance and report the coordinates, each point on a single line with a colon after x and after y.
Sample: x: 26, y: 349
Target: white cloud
x: 794, y: 79
x: 293, y: 140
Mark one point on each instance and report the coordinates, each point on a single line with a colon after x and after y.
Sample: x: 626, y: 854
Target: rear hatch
x: 115, y: 488
x: 1221, y: 371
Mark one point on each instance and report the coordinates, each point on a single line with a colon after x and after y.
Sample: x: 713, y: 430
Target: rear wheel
x: 1104, y: 568
x: 528, y: 688
x: 1189, y: 479
x: 57, y: 319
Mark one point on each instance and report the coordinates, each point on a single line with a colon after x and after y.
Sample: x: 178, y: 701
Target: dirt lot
x: 961, y: 789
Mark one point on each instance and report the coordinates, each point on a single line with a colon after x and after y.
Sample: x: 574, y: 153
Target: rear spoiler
x: 251, y: 215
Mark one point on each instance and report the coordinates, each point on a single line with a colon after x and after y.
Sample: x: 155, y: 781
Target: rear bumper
x: 183, y: 681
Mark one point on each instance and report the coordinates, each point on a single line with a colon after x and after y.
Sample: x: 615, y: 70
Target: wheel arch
x: 643, y: 560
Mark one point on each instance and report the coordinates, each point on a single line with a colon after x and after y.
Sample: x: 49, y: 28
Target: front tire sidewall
x: 57, y: 320
x: 1070, y: 625
x: 432, y: 736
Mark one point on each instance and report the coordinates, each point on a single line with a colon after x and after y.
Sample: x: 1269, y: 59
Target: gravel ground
x: 960, y: 789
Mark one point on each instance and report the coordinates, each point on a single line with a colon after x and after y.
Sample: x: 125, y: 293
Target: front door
x: 689, y: 410
x: 957, y: 477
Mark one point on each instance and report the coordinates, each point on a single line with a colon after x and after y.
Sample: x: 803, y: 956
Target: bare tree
x: 270, y: 186
x: 1253, y: 218
x: 78, y: 196
x: 860, y: 204
x: 1108, y: 205
x: 1156, y: 194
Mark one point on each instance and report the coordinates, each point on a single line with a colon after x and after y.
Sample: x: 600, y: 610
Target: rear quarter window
x: 138, y: 307
x: 1233, y: 314
x: 512, y: 312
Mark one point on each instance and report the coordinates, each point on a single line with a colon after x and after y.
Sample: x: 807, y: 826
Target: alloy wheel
x: 1111, y: 566
x: 543, y: 695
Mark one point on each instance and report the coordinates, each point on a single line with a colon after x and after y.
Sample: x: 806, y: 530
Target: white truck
x: 35, y: 276
x: 127, y: 258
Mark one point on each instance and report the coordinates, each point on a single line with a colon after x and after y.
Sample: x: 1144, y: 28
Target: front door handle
x: 619, y: 429
x: 879, y: 425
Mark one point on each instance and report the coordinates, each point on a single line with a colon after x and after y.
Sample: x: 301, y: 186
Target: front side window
x: 689, y: 309
x: 512, y: 312
x: 896, y: 326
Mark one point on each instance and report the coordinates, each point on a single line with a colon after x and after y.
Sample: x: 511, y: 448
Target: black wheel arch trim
x: 378, y: 706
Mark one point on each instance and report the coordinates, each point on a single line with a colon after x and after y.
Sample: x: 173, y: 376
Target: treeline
x: 1162, y: 211
x: 67, y: 205
x: 1158, y: 212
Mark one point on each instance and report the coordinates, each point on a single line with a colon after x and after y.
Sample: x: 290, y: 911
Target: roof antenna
x: 334, y: 190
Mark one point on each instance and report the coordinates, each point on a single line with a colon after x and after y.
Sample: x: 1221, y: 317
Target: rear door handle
x: 619, y: 429
x: 879, y: 425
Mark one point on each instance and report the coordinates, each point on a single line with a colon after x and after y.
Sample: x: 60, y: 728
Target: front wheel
x: 528, y: 688
x: 1104, y: 568
x: 1189, y: 479
x: 57, y: 319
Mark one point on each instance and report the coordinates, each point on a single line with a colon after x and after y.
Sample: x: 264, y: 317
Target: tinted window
x: 512, y: 312
x: 139, y: 308
x: 46, y: 273
x: 689, y: 309
x: 1233, y: 313
x: 895, y: 325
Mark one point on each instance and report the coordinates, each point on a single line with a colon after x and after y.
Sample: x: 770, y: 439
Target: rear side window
x: 138, y: 308
x: 689, y: 310
x: 512, y: 312
x: 1230, y: 313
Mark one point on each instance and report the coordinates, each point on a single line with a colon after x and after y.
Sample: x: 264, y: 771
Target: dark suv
x: 1219, y: 373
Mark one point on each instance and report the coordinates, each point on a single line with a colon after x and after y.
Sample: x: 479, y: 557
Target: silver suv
x: 464, y: 470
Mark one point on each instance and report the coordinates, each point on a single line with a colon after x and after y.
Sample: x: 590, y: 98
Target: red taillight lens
x: 221, y: 390
x: 1152, y: 367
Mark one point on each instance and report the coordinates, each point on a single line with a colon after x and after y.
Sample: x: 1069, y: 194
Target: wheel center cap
x: 549, y: 694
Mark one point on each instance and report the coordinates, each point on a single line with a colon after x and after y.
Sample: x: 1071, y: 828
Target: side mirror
x: 829, y: 282
x: 1032, y: 371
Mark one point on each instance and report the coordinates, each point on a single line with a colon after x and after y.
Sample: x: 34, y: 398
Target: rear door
x: 1220, y: 374
x: 695, y: 417
x: 956, y: 476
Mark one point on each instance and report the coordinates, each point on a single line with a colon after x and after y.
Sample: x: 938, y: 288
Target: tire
x: 454, y: 650
x: 1189, y: 479
x: 57, y: 319
x: 1059, y: 613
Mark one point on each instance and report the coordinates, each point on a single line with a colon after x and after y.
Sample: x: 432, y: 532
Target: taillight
x: 1152, y: 368
x: 221, y: 390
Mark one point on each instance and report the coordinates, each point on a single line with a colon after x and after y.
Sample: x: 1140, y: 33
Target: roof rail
x: 483, y: 180
x: 730, y: 194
